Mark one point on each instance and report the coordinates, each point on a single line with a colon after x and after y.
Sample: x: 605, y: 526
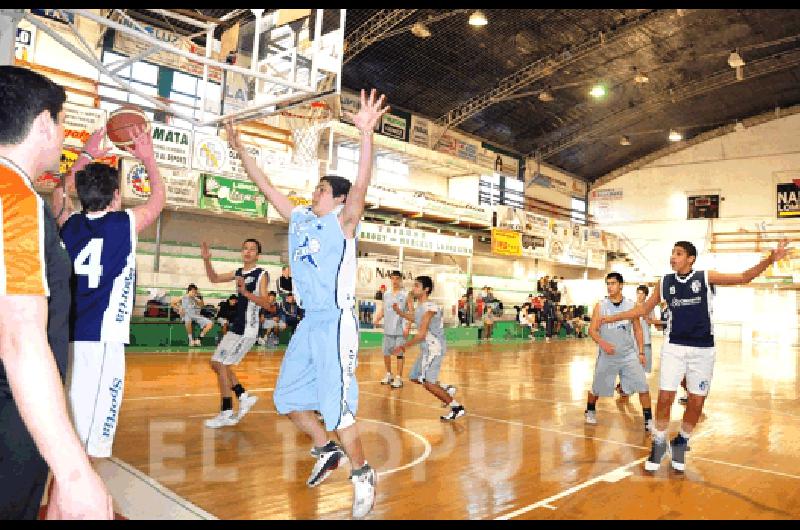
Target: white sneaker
x: 386, y: 379
x: 591, y: 417
x: 397, y: 383
x: 455, y: 413
x: 260, y: 341
x: 224, y: 419
x: 364, y: 492
x: 246, y: 402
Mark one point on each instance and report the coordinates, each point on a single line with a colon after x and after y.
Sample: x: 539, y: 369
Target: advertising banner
x: 506, y: 242
x: 172, y: 146
x: 230, y: 195
x: 417, y: 239
x: 786, y: 200
x: 181, y: 183
x: 80, y: 122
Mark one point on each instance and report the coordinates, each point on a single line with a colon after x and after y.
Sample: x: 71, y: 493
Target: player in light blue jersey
x: 688, y: 350
x: 620, y: 353
x: 318, y: 369
x: 393, y: 328
x: 432, y: 343
x: 101, y: 242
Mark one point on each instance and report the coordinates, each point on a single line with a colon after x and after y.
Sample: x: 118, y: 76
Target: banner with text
x: 787, y: 200
x: 181, y: 183
x: 506, y: 242
x: 397, y: 236
x: 80, y: 122
x: 172, y: 146
x: 231, y: 195
x: 596, y: 259
x: 420, y: 132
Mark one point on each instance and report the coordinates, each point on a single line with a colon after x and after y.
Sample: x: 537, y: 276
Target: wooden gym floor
x: 521, y: 452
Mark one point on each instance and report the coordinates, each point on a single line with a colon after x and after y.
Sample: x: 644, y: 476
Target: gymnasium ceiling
x: 520, y: 53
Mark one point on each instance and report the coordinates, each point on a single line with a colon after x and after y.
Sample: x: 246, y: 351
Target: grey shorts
x: 199, y: 319
x: 648, y: 355
x: 429, y: 362
x: 627, y: 367
x: 390, y: 342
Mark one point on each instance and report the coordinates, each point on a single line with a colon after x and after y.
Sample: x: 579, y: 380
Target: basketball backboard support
x: 301, y: 61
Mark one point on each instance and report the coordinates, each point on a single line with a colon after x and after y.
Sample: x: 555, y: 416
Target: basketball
x: 123, y: 124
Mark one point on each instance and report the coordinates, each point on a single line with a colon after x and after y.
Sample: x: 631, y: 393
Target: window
x: 141, y: 76
x: 187, y: 91
x: 578, y: 216
x: 390, y: 172
x: 347, y: 161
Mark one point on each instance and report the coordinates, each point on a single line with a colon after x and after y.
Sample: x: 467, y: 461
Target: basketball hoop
x: 307, y: 123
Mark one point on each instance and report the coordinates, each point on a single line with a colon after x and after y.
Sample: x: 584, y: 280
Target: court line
x: 145, y: 398
x: 426, y: 444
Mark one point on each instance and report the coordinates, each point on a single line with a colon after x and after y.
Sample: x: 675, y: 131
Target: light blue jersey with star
x: 323, y: 261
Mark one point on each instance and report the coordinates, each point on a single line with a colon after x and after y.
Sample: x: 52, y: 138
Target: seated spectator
x: 291, y: 312
x: 284, y: 282
x: 271, y: 322
x: 189, y: 309
x: 527, y: 317
x: 225, y: 312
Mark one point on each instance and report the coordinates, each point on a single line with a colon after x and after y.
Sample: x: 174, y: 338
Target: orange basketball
x: 123, y: 124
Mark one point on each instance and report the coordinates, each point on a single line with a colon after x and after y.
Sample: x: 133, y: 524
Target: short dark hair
x: 272, y: 293
x: 617, y: 276
x: 96, y: 184
x: 256, y: 241
x: 645, y: 289
x: 340, y: 186
x: 190, y: 287
x: 427, y: 283
x: 24, y: 95
x: 395, y: 273
x: 690, y: 249
x: 232, y: 297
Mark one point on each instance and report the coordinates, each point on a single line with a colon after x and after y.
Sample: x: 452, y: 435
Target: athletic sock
x: 590, y: 406
x: 659, y: 436
x: 239, y: 390
x: 648, y: 414
x: 454, y: 404
x: 227, y: 403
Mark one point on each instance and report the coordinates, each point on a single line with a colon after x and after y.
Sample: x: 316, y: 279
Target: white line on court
x: 144, y: 398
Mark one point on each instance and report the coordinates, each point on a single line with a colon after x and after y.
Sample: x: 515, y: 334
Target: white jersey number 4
x: 87, y: 263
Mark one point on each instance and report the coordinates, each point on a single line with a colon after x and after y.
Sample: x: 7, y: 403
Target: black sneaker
x: 329, y: 458
x: 657, y: 452
x: 679, y: 446
x: 455, y: 413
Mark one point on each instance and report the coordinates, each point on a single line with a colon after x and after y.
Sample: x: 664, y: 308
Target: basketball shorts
x: 648, y: 358
x: 232, y: 348
x: 269, y: 324
x: 429, y: 361
x: 697, y: 364
x: 626, y: 366
x: 318, y: 370
x: 391, y: 342
x: 200, y: 320
x: 96, y: 381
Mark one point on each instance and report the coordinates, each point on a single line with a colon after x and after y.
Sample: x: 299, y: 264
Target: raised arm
x: 212, y: 275
x: 718, y: 278
x: 280, y: 201
x: 39, y: 396
x: 639, y: 310
x: 61, y: 201
x: 368, y: 115
x: 594, y: 331
x: 146, y: 213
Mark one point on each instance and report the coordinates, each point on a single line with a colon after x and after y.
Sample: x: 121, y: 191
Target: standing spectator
x: 35, y: 428
x: 291, y: 312
x: 470, y: 307
x: 284, y: 282
x: 488, y: 320
x: 538, y: 304
x: 549, y: 317
x: 554, y: 284
x: 462, y: 310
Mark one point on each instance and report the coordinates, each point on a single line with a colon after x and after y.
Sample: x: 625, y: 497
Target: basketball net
x: 307, y: 123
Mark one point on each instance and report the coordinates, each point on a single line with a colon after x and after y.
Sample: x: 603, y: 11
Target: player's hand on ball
x: 92, y: 145
x: 142, y: 146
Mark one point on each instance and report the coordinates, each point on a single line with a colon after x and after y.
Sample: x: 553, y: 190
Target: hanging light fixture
x: 420, y: 30
x: 597, y: 91
x: 546, y: 95
x: 477, y: 18
x: 736, y: 62
x: 624, y: 140
x: 675, y: 136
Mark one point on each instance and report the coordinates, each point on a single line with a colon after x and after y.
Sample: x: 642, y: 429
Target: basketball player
x: 189, y: 310
x: 318, y: 369
x: 36, y: 435
x: 641, y: 295
x: 251, y: 284
x: 101, y: 242
x: 433, y: 346
x: 393, y: 328
x: 689, y: 348
x: 620, y: 352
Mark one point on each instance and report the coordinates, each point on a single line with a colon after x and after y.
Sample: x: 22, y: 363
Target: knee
x: 216, y: 365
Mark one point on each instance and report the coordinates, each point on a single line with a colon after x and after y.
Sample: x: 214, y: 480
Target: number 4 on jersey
x: 87, y: 263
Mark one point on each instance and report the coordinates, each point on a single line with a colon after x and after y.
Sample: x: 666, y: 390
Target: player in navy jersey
x: 318, y: 370
x: 101, y: 242
x: 688, y: 350
x: 251, y: 285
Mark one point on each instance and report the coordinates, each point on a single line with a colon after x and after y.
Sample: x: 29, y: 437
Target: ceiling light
x: 597, y: 91
x: 545, y: 95
x: 624, y: 140
x: 477, y: 18
x: 735, y: 60
x: 420, y: 30
x: 675, y: 136
x: 641, y: 77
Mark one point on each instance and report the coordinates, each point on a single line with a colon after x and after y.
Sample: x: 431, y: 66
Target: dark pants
x: 23, y: 472
x: 549, y: 327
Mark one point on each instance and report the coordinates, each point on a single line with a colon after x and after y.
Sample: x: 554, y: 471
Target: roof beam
x: 542, y: 68
x: 373, y: 30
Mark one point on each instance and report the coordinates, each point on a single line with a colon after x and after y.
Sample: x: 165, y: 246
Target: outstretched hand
x: 92, y: 145
x: 781, y: 250
x: 142, y: 145
x: 205, y: 253
x: 369, y: 113
x: 234, y: 139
